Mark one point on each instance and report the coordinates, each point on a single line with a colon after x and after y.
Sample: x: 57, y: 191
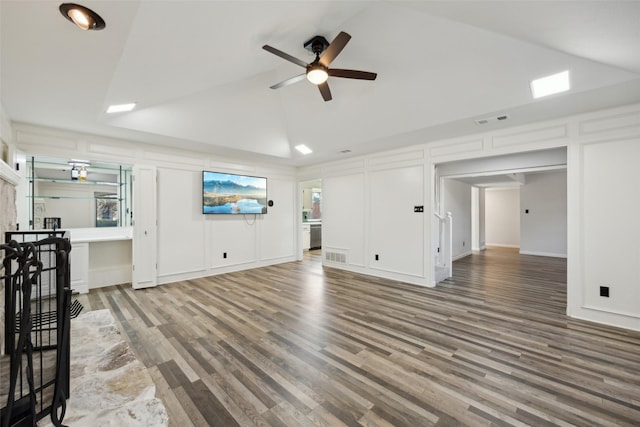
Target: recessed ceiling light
x: 550, y: 85
x: 83, y: 17
x: 303, y: 149
x: 120, y: 108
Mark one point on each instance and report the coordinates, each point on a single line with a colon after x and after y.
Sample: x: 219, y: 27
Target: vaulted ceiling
x: 200, y: 78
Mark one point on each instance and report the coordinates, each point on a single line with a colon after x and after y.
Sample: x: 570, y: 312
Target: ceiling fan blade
x: 324, y: 90
x: 334, y: 49
x: 289, y: 81
x: 352, y: 74
x: 286, y: 56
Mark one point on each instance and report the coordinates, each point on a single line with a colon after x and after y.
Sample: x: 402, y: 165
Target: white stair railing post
x: 443, y: 241
x: 449, y: 252
x: 439, y: 258
x: 444, y: 257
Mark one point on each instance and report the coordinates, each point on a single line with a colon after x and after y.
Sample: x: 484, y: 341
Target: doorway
x: 514, y: 201
x: 311, y: 215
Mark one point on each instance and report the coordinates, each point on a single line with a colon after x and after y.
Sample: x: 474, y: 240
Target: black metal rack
x: 38, y: 310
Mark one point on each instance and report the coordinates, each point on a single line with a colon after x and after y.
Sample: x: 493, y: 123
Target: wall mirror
x: 76, y: 193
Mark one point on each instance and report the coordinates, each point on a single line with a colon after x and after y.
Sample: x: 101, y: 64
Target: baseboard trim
x: 462, y: 255
x: 500, y: 245
x: 549, y: 254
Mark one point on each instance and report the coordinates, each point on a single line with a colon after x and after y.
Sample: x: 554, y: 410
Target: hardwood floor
x: 300, y: 345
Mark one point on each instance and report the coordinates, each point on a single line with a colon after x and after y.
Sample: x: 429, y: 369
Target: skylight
x: 120, y: 108
x: 550, y: 85
x: 303, y: 149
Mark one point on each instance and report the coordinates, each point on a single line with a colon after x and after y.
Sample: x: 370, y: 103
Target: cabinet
x: 79, y: 263
x: 306, y: 237
x: 145, y: 256
x: 77, y: 194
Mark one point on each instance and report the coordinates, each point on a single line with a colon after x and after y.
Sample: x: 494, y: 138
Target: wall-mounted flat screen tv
x: 225, y: 193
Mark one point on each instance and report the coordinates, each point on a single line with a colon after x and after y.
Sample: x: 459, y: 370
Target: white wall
x: 7, y: 212
x: 543, y: 231
x: 344, y: 218
x: 181, y: 227
x: 457, y: 200
x: 368, y: 210
x: 482, y: 218
x: 502, y: 217
x: 604, y: 237
x: 6, y: 132
x: 478, y: 223
x: 278, y: 229
x: 7, y: 174
x: 396, y: 231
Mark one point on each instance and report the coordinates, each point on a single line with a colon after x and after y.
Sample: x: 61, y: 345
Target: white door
x: 145, y: 252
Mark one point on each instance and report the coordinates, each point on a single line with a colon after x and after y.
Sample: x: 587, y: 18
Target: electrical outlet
x: 224, y: 255
x: 604, y: 291
x: 377, y: 257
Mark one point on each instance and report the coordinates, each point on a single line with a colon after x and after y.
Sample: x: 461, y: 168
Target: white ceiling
x: 201, y: 78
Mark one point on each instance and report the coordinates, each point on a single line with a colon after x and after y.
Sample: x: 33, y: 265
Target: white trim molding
x: 8, y: 174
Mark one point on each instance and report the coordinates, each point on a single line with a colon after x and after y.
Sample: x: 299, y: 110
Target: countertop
x: 100, y: 234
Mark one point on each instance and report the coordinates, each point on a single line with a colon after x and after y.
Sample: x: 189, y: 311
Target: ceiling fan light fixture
x: 84, y: 18
x: 317, y: 74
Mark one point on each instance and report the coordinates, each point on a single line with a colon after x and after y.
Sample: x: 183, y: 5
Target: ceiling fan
x: 318, y: 71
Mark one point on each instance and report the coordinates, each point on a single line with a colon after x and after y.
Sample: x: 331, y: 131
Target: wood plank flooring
x: 302, y: 345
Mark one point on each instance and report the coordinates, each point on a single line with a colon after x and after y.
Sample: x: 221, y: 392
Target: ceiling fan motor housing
x: 316, y: 45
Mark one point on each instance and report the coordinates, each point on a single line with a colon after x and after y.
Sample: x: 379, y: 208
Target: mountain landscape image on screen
x: 233, y: 194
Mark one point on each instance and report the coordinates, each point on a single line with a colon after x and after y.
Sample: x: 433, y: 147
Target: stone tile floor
x: 109, y: 386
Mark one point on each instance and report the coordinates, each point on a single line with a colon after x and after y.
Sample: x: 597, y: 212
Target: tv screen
x: 225, y: 193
